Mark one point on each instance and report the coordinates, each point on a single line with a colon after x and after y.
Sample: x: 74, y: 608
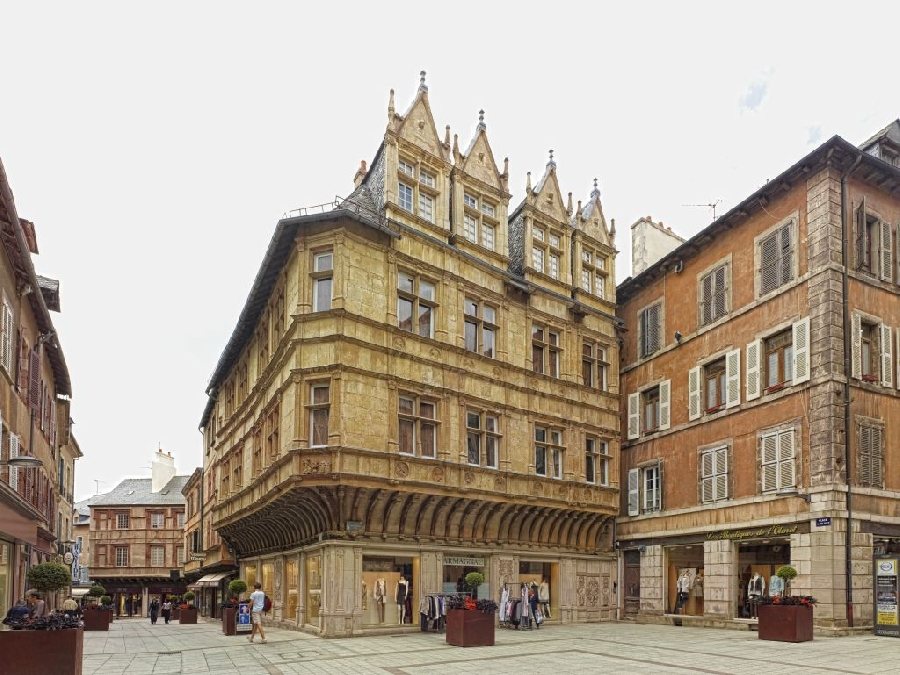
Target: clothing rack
x: 433, y: 611
x: 515, y: 611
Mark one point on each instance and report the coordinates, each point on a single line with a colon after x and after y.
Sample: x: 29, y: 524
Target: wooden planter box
x: 176, y: 614
x: 96, y: 619
x: 470, y: 628
x: 229, y: 621
x: 41, y: 652
x: 188, y: 615
x: 785, y: 623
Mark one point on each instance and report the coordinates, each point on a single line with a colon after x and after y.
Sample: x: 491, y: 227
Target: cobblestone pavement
x: 135, y: 647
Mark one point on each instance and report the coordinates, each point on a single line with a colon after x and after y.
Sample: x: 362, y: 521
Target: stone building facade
x: 137, y: 538
x: 760, y: 384
x: 423, y: 383
x: 35, y: 391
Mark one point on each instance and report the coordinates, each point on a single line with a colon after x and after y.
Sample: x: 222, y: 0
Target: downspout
x: 845, y: 288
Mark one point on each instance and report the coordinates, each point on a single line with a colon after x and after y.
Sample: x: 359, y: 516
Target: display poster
x: 243, y: 624
x: 887, y: 618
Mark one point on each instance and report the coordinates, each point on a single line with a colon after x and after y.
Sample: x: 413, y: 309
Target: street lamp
x: 24, y: 462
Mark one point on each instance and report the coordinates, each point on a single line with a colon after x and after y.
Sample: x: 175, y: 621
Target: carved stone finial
x: 481, y: 118
x: 612, y: 228
x: 391, y: 108
x: 569, y: 205
x: 506, y: 166
x: 456, y: 144
x: 422, y: 85
x: 595, y: 193
x: 551, y: 158
x: 528, y: 183
x: 447, y: 136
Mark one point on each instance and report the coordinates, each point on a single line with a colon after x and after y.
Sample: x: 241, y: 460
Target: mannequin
x: 544, y: 597
x: 365, y: 595
x: 378, y: 595
x: 504, y: 599
x: 776, y: 586
x: 400, y: 597
x: 683, y: 586
x: 697, y: 589
x: 756, y: 588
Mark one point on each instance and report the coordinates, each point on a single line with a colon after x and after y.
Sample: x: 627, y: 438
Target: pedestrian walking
x: 166, y: 610
x: 154, y: 610
x: 129, y: 604
x: 70, y: 607
x: 257, y: 603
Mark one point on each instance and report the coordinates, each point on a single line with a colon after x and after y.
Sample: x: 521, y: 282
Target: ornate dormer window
x: 480, y: 220
x: 593, y: 272
x: 546, y: 251
x: 417, y: 189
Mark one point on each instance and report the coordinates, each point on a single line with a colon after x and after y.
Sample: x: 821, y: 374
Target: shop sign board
x: 887, y: 615
x: 753, y: 533
x: 462, y: 561
x: 243, y: 624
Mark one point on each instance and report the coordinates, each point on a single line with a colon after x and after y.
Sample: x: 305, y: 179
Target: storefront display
x: 684, y: 580
x: 455, y: 570
x: 5, y: 576
x: 314, y: 587
x: 757, y: 563
x: 291, y: 573
x: 387, y: 592
x: 250, y: 576
x: 543, y: 576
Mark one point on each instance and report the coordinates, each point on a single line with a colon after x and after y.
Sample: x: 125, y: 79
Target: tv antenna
x: 708, y: 206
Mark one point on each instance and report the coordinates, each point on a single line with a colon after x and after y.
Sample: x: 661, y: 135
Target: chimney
x: 162, y: 470
x: 650, y: 242
x: 360, y: 174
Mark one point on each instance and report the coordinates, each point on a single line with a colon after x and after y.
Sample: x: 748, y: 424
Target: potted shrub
x: 230, y: 608
x: 473, y: 580
x: 94, y: 615
x: 786, y: 618
x: 470, y: 622
x: 188, y: 611
x: 52, y: 644
x: 176, y: 607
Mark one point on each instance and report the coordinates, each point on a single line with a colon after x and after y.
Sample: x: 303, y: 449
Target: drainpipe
x: 845, y: 287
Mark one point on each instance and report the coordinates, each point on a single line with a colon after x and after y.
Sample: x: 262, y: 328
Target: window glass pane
x: 405, y: 193
x: 407, y: 168
x: 405, y: 282
x: 404, y: 313
x: 491, y: 451
x: 407, y: 406
x: 554, y: 240
x: 586, y: 280
x: 587, y: 373
x: 324, y: 262
x: 320, y: 394
x: 586, y: 256
x: 788, y: 363
x: 556, y: 437
x: 473, y: 420
x: 557, y: 463
x: 537, y: 358
x: 538, y: 234
x: 491, y: 424
x: 489, y: 314
x: 487, y: 209
x: 554, y: 266
x: 425, y: 321
x: 469, y: 200
x: 540, y: 460
x: 488, y: 347
x: 537, y: 259
x: 428, y: 440
x: 589, y: 467
x: 322, y: 296
x: 537, y: 333
x: 470, y: 228
x: 540, y: 434
x: 470, y: 334
x: 554, y: 339
x: 554, y: 364
x: 600, y: 286
x: 487, y: 236
x: 772, y: 369
x: 426, y: 207
x: 426, y: 178
x: 470, y: 307
x: 407, y: 436
x: 426, y: 290
x: 473, y: 446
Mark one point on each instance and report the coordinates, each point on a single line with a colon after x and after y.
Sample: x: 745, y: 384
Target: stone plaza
x: 135, y: 647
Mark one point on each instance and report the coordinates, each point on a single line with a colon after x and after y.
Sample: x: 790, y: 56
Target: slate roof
x: 136, y: 492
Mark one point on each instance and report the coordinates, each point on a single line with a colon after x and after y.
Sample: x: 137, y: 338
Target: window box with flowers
x: 786, y: 618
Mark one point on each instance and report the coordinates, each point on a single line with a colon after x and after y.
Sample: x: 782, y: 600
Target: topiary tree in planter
x: 786, y: 573
x: 189, y: 598
x: 473, y: 581
x: 49, y: 577
x: 105, y: 600
x: 236, y: 587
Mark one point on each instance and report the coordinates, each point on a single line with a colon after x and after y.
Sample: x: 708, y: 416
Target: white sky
x: 156, y: 146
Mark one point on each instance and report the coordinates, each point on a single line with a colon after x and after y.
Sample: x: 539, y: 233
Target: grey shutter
x: 861, y: 244
x: 769, y: 462
x: 754, y: 371
x: 694, y: 406
x: 800, y: 334
x: 665, y: 396
x: 786, y: 461
x: 721, y: 488
x: 653, y: 328
x: 864, y: 455
x: 886, y: 246
x: 856, y: 345
x: 720, y: 293
x: 634, y: 488
x: 706, y: 295
x: 887, y: 356
x: 768, y: 264
x: 786, y: 254
x: 733, y: 378
x: 634, y: 415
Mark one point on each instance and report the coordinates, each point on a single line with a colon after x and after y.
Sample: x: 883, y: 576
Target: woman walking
x: 167, y: 610
x: 154, y: 610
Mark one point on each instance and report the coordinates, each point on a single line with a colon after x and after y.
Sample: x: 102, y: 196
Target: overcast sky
x: 156, y: 146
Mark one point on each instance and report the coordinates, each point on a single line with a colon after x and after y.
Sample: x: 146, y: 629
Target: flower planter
x: 96, y: 619
x: 188, y: 615
x: 785, y: 623
x: 470, y: 628
x: 40, y: 652
x: 229, y: 621
x: 176, y: 614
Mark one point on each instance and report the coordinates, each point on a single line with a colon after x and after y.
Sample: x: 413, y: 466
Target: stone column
x: 652, y: 580
x: 339, y: 596
x: 719, y: 579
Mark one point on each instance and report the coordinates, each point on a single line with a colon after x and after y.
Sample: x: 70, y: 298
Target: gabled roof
x: 50, y: 290
x: 137, y: 492
x: 891, y: 132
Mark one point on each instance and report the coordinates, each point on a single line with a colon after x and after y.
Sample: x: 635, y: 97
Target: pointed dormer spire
x: 612, y: 228
x: 595, y: 193
x: 528, y: 183
x: 391, y: 109
x: 569, y: 205
x: 579, y: 208
x: 447, y: 136
x: 456, y: 144
x: 481, y: 124
x: 506, y: 166
x: 422, y: 85
x: 551, y: 162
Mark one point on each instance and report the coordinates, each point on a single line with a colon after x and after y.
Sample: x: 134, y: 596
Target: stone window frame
x: 596, y: 268
x: 874, y: 425
x: 480, y: 217
x: 484, y: 435
x: 419, y: 187
x: 548, y: 229
x: 661, y: 328
x: 154, y: 548
x: 418, y: 420
x: 601, y: 457
x: 481, y: 323
x: 873, y: 246
x: 317, y: 276
x: 312, y: 407
x: 728, y: 445
x: 727, y: 263
x: 794, y: 221
x: 549, y: 448
x: 119, y: 516
x: 417, y: 300
x: 599, y: 363
x: 118, y: 548
x: 796, y: 426
x: 162, y: 520
x: 642, y: 468
x: 547, y: 347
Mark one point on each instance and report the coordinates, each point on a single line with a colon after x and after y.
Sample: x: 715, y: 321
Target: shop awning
x: 209, y: 580
x: 79, y: 592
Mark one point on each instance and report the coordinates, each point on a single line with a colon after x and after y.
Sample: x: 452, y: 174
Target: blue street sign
x: 822, y: 522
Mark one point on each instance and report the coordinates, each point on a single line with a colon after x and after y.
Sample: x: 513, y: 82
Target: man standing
x: 36, y: 604
x: 257, y: 602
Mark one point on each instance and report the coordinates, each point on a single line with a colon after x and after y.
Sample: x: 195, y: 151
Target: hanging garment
x: 504, y: 599
x: 524, y: 601
x: 400, y: 593
x: 757, y: 586
x: 544, y: 592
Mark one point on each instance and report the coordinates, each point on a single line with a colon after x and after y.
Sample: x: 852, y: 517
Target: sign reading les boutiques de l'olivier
x: 753, y: 532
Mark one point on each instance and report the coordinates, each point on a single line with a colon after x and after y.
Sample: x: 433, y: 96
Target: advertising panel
x: 887, y: 616
x: 243, y: 624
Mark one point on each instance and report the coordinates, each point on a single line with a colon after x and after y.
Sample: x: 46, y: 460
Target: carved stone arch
x: 518, y: 522
x: 370, y: 499
x: 565, y: 530
x: 451, y: 521
x: 389, y: 505
x: 436, y: 515
x: 470, y: 524
x: 491, y: 529
x: 479, y: 531
x: 506, y: 519
x: 464, y: 529
x: 423, y: 513
x: 403, y: 521
x: 547, y: 527
x: 535, y: 529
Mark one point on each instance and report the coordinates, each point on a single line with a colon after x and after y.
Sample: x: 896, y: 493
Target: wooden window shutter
x: 720, y: 293
x: 862, y: 247
x: 634, y: 415
x: 864, y: 456
x: 769, y: 462
x: 634, y: 489
x: 801, y: 339
x: 733, y: 378
x: 887, y: 356
x: 897, y: 360
x: 768, y: 267
x: 856, y: 346
x: 786, y: 254
x: 706, y: 299
x: 6, y: 340
x: 694, y: 408
x: 754, y: 371
x: 665, y: 395
x: 721, y: 487
x: 877, y: 457
x: 887, y: 251
x: 13, y: 471
x: 707, y: 476
x: 34, y: 384
x: 786, y: 462
x: 659, y: 491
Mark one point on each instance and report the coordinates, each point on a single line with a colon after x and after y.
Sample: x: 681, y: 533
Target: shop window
x: 543, y: 578
x: 596, y: 461
x: 267, y: 579
x: 545, y: 350
x: 480, y: 327
x: 418, y: 426
x: 482, y: 439
x: 388, y: 593
x: 777, y: 459
x: 757, y: 562
x: 650, y: 330
x: 319, y: 407
x: 455, y: 570
x: 549, y: 452
x: 250, y: 575
x: 416, y: 304
x: 685, y: 580
x: 714, y: 475
x: 645, y: 489
x: 594, y: 366
x: 313, y: 588
x: 870, y: 454
x: 322, y: 277
x: 291, y: 582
